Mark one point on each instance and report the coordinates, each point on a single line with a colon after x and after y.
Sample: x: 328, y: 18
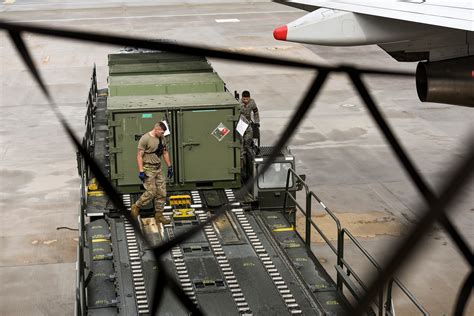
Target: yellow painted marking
x: 96, y: 193
x: 180, y: 200
x: 103, y: 94
x: 249, y: 264
x: 284, y: 229
x: 100, y: 240
x: 98, y: 257
x: 183, y: 212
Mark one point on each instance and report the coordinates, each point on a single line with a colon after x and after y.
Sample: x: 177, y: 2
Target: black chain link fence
x: 437, y: 205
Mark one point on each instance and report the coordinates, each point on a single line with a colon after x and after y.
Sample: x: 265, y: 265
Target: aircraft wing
x: 440, y: 33
x: 451, y: 14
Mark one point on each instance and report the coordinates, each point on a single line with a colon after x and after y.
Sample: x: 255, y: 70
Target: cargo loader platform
x: 236, y: 266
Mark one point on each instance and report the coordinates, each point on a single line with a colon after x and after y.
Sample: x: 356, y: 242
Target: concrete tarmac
x: 347, y: 162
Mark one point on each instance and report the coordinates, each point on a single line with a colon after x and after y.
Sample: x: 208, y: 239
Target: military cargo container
x: 194, y: 104
x: 200, y: 159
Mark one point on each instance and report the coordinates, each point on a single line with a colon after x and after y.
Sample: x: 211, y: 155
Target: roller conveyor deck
x: 238, y: 265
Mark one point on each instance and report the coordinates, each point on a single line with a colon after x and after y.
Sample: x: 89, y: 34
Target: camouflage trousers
x: 246, y: 143
x: 155, y: 186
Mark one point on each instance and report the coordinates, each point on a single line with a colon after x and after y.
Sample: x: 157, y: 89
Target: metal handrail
x: 291, y: 171
x: 388, y: 304
x: 308, y: 205
x: 84, y: 173
x: 336, y: 220
x: 379, y: 304
x: 339, y: 250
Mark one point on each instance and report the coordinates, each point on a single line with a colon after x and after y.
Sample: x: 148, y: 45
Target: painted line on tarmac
x: 155, y: 16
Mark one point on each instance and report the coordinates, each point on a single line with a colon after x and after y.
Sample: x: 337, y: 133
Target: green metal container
x: 165, y: 84
x: 204, y: 147
x: 159, y: 68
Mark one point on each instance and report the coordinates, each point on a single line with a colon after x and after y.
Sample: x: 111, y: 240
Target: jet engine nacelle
x: 449, y: 81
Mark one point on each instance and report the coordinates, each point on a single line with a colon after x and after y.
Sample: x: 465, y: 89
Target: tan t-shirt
x: 149, y: 144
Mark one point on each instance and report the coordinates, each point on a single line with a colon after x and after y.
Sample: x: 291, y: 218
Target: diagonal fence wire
x: 15, y: 34
x: 464, y: 294
x: 144, y: 43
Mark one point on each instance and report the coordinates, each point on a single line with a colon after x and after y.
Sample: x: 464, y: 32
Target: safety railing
x: 80, y: 265
x: 390, y: 309
x: 81, y: 279
x: 90, y: 110
x: 345, y: 274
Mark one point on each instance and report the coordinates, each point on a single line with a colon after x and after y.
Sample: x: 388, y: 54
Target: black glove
x: 256, y: 130
x: 142, y: 176
x: 170, y: 172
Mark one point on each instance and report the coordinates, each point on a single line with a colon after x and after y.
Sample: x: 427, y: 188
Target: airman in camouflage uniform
x: 247, y: 108
x: 151, y: 147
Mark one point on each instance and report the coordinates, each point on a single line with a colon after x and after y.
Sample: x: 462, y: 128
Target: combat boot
x: 159, y: 218
x: 134, y: 212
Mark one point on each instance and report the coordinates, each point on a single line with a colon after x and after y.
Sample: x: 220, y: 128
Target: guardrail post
x: 381, y: 302
x: 388, y: 302
x: 340, y: 256
x: 308, y: 221
x: 286, y: 189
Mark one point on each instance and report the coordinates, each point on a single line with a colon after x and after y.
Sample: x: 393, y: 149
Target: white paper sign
x: 167, y: 132
x: 242, y: 125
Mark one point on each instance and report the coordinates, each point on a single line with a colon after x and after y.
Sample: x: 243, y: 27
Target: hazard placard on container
x: 220, y: 132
